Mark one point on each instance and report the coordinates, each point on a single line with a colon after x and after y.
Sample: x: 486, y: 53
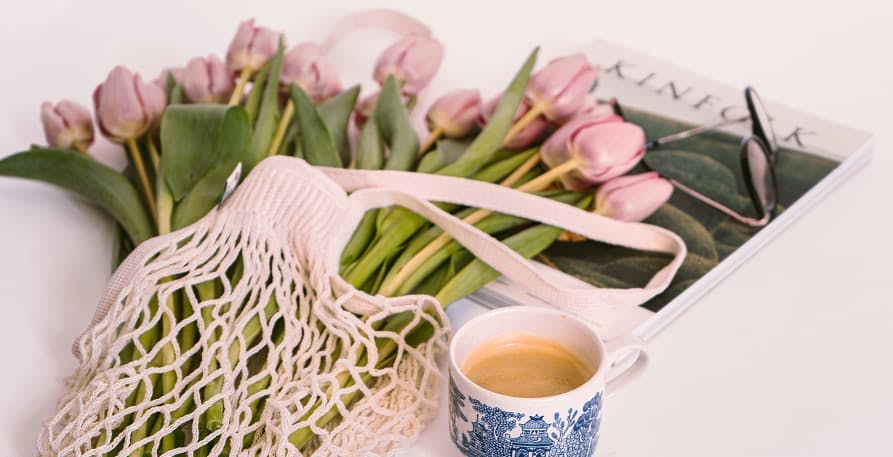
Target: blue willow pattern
x: 499, y: 433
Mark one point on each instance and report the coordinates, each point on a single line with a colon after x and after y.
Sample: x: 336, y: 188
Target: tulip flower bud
x: 126, y: 107
x: 206, y: 80
x: 67, y: 125
x: 251, y: 47
x: 528, y: 135
x: 561, y: 86
x: 592, y: 108
x: 455, y: 113
x: 414, y: 60
x: 632, y: 198
x: 603, y: 148
x: 306, y: 65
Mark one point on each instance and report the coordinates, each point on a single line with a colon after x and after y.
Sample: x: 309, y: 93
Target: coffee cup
x: 484, y: 422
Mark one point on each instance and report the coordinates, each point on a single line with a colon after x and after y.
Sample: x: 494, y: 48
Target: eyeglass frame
x: 762, y: 136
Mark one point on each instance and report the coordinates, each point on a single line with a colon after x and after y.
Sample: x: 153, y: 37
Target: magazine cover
x: 813, y: 155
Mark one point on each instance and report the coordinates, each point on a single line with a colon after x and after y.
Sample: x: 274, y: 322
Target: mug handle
x: 618, y: 349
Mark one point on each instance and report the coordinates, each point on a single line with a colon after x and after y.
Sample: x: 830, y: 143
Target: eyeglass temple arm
x: 720, y: 207
x: 692, y: 132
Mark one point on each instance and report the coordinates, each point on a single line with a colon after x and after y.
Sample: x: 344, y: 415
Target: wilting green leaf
x: 335, y: 113
x: 396, y: 129
x: 268, y: 113
x: 84, y: 176
x: 231, y: 147
x: 316, y: 141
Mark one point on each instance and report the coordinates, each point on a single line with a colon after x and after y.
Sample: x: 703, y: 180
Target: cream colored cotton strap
x: 372, y: 189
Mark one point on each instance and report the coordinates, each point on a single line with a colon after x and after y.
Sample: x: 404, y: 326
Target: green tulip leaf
x: 446, y: 152
x: 231, y: 146
x: 316, y: 141
x: 392, y: 118
x: 676, y: 288
x: 498, y: 171
x: 88, y: 178
x: 252, y: 103
x: 267, y: 114
x: 490, y: 140
x: 335, y: 113
x: 370, y: 148
x: 189, y: 141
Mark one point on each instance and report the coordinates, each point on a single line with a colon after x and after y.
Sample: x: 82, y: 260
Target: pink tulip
x: 67, y: 125
x: 126, y: 107
x: 206, y: 80
x: 306, y: 65
x: 561, y: 86
x: 603, y: 148
x: 251, y: 47
x: 632, y: 198
x: 592, y: 108
x: 455, y: 113
x: 414, y: 60
x: 529, y: 135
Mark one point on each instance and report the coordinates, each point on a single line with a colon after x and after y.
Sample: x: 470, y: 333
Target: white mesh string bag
x: 253, y: 343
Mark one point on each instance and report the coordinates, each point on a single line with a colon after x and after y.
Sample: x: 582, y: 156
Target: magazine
x: 814, y: 156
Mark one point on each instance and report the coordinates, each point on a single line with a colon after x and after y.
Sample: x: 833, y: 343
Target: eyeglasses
x: 757, y: 154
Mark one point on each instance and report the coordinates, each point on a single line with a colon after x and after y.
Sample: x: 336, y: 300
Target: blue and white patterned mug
x: 488, y: 424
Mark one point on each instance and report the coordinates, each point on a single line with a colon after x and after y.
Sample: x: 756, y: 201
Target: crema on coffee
x: 526, y: 366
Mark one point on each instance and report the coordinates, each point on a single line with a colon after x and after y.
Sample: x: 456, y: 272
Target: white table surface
x: 788, y: 357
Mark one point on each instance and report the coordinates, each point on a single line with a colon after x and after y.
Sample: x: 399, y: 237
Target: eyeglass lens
x: 759, y: 175
x: 762, y: 126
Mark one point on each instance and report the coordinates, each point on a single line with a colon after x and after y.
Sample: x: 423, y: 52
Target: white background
x: 790, y: 356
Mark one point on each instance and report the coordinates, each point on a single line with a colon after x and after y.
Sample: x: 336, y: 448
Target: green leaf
x: 446, y: 152
x: 363, y: 234
x: 396, y: 130
x: 174, y: 90
x: 405, y: 223
x: 268, y: 114
x: 231, y: 146
x: 335, y: 113
x: 188, y: 133
x: 84, y: 176
x: 491, y: 137
x: 493, y: 224
x: 252, y: 104
x: 316, y: 141
x: 370, y: 148
x: 502, y: 169
x: 528, y: 243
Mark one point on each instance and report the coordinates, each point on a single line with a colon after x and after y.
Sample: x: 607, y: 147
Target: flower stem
x: 154, y: 156
x: 522, y: 170
x: 137, y: 160
x: 432, y: 137
x: 535, y: 185
x: 244, y: 76
x: 81, y: 147
x: 282, y: 127
x: 525, y: 120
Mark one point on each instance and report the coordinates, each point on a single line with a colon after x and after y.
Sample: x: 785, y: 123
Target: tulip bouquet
x: 186, y: 131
